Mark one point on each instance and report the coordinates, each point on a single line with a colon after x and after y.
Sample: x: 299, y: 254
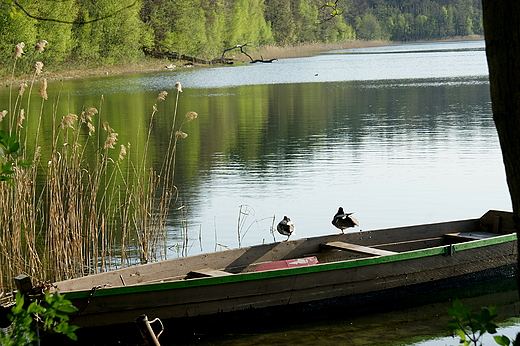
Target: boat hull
x: 432, y: 269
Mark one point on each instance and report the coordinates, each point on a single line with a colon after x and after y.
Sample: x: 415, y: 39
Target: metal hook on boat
x: 157, y: 319
x: 144, y: 325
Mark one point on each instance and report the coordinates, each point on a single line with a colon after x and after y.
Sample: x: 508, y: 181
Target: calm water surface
x: 400, y: 135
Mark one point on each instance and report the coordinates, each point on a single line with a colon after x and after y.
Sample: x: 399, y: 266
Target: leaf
x: 6, y: 168
x: 502, y: 340
x: 491, y: 327
x: 452, y: 326
x: 457, y: 305
x: 451, y: 311
x: 24, y: 163
x: 3, y: 136
x: 13, y: 147
x: 34, y: 308
x: 493, y: 309
x: 68, y: 309
x: 461, y: 334
x: 474, y: 326
x: 14, y: 13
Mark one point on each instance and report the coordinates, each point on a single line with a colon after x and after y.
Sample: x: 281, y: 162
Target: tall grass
x: 76, y: 209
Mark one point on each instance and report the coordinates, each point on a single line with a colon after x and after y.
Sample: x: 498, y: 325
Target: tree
x: 214, y: 10
x: 187, y: 30
x: 115, y: 39
x: 306, y: 16
x: 59, y: 34
x: 502, y: 35
x: 368, y: 28
x: 248, y: 25
x: 13, y: 31
x: 280, y: 14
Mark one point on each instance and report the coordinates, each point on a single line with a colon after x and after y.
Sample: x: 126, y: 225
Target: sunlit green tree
x: 247, y: 24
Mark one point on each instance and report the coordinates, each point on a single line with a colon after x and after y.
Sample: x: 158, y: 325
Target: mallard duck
x: 344, y: 220
x: 285, y: 227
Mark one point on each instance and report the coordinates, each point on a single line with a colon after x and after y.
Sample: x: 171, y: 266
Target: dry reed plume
x: 77, y: 211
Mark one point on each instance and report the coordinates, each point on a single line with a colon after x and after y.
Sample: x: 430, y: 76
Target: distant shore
x: 149, y: 64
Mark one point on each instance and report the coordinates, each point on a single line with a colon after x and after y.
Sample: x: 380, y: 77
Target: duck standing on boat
x: 344, y: 220
x: 285, y: 227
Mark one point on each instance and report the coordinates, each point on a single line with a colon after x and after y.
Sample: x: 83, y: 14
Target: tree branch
x: 241, y: 46
x: 17, y: 4
x: 334, y: 11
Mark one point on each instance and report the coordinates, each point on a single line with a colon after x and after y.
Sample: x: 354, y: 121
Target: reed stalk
x: 75, y: 210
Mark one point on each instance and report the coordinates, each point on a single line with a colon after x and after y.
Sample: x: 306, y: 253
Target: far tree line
x: 205, y: 28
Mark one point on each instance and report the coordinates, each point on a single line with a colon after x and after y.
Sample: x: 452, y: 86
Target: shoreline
x: 149, y: 64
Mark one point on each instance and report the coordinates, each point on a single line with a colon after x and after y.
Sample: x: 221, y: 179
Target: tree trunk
x: 502, y: 34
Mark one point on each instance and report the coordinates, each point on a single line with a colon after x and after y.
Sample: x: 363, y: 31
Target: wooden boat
x: 375, y: 264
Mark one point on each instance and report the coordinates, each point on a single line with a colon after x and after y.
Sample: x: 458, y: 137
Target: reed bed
x: 76, y: 209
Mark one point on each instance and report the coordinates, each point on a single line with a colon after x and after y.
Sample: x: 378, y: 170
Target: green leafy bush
x: 471, y: 327
x: 48, y: 314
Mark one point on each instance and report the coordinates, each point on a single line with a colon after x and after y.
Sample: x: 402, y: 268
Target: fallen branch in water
x: 241, y: 47
x: 194, y: 60
x: 177, y: 56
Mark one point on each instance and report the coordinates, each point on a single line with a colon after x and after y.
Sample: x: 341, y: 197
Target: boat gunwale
x: 283, y: 272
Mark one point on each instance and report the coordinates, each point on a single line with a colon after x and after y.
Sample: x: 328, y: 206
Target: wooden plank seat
x: 465, y: 236
x: 339, y: 245
x: 206, y: 273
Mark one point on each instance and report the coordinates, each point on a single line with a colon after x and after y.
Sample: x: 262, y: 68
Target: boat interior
x: 364, y: 244
x: 303, y: 252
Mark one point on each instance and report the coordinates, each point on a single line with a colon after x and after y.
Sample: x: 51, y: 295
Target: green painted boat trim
x: 232, y: 278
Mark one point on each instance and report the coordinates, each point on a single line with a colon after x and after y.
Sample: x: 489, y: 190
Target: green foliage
x: 368, y: 28
x: 114, y: 40
x: 503, y: 340
x: 187, y: 28
x: 280, y: 14
x: 114, y: 32
x: 248, y: 24
x: 58, y: 33
x: 215, y: 27
x: 471, y: 327
x: 51, y: 313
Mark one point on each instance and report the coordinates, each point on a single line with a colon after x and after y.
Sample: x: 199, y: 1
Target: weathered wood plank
x: 465, y: 236
x: 205, y: 273
x: 496, y: 221
x: 357, y: 248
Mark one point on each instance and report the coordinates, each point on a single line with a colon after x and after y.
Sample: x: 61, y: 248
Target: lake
x: 400, y: 135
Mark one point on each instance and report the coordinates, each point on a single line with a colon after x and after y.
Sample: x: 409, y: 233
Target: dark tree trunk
x: 502, y: 34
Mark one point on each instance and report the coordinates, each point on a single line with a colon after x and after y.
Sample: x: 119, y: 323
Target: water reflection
x: 394, y: 155
x: 396, y: 152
